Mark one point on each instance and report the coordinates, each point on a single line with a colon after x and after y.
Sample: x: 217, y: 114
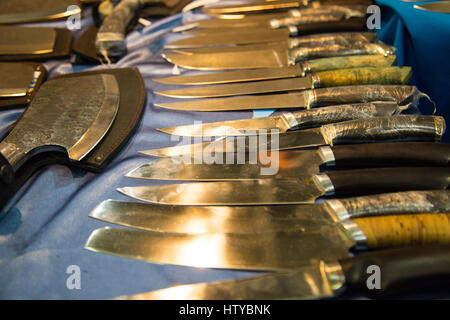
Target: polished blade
x: 281, y: 250
x: 231, y: 60
x: 240, y: 89
x: 441, y: 6
x: 255, y: 7
x: 238, y: 48
x: 269, y: 101
x: 286, y: 164
x: 309, y: 282
x: 241, y: 127
x: 249, y: 192
x: 219, y: 149
x: 230, y: 38
x: 198, y: 219
x: 230, y: 23
x: 234, y: 76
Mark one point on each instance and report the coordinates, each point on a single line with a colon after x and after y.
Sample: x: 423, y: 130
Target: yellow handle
x: 402, y: 230
x: 346, y: 62
x: 369, y: 75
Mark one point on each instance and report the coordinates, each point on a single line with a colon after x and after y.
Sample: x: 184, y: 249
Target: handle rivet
x: 98, y: 159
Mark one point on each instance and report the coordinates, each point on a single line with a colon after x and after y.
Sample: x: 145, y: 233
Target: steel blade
x: 309, y: 282
x: 240, y: 89
x: 230, y: 23
x: 291, y: 163
x: 269, y: 101
x: 441, y: 6
x: 267, y: 251
x: 255, y: 7
x: 234, y: 76
x: 198, y: 220
x: 230, y: 38
x: 230, y: 128
x: 249, y: 192
x: 241, y: 146
x: 231, y: 48
x: 23, y: 40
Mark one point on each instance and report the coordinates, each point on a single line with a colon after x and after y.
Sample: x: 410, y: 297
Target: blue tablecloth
x: 47, y: 222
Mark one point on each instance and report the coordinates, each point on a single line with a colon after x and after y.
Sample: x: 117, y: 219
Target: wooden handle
x: 324, y: 64
x: 369, y: 75
x: 404, y: 230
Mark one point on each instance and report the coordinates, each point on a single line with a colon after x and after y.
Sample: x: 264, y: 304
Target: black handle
x: 402, y: 270
x: 7, y: 181
x: 393, y: 154
x: 352, y: 24
x: 373, y: 180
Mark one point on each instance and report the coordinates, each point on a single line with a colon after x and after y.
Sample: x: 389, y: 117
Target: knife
x: 287, y: 120
x: 274, y: 251
x: 298, y: 70
x: 269, y: 58
x: 299, y: 163
x: 328, y: 279
x: 264, y: 35
x: 258, y: 7
x: 256, y: 219
x: 303, y: 99
x: 441, y: 6
x: 400, y: 127
x: 332, y: 78
x: 294, y: 191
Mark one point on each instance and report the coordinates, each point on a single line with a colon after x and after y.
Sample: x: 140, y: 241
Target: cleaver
x: 81, y: 119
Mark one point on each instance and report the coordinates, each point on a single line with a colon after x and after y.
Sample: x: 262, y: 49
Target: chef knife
x: 270, y: 58
x: 259, y: 7
x: 441, y: 6
x: 388, y: 128
x: 294, y: 191
x: 302, y: 99
x: 298, y: 70
x: 256, y: 219
x: 263, y: 35
x: 281, y: 250
x: 299, y: 163
x: 332, y: 78
x: 401, y: 270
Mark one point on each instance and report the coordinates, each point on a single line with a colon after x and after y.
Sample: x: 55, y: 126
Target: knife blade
x: 272, y: 251
x: 256, y: 219
x: 327, y: 279
x: 264, y: 35
x: 332, y: 78
x: 441, y: 6
x: 397, y: 128
x: 303, y: 99
x: 287, y: 120
x: 294, y: 191
x: 298, y: 70
x: 299, y: 163
x: 269, y: 58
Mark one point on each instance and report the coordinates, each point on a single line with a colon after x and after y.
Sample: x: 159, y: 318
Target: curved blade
x: 198, y: 220
x: 255, y: 7
x: 250, y: 192
x: 441, y: 6
x: 266, y: 251
x: 269, y: 101
x: 230, y: 38
x: 239, y: 48
x: 234, y: 76
x: 240, y: 89
x: 230, y: 60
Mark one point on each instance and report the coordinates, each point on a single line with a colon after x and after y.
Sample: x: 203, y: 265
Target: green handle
x: 360, y: 76
x: 324, y: 64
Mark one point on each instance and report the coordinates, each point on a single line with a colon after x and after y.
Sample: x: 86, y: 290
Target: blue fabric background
x: 47, y: 222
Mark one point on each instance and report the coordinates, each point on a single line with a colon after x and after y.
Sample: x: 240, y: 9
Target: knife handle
x: 346, y: 62
x: 391, y: 203
x: 400, y: 127
x: 331, y: 114
x: 352, y: 24
x: 7, y: 181
x: 402, y: 270
x: 378, y: 180
x: 404, y: 230
x: 364, y: 93
x: 332, y: 50
x: 368, y: 75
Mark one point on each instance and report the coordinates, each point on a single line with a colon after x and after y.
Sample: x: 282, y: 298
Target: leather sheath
x: 131, y: 106
x: 31, y: 74
x: 60, y: 47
